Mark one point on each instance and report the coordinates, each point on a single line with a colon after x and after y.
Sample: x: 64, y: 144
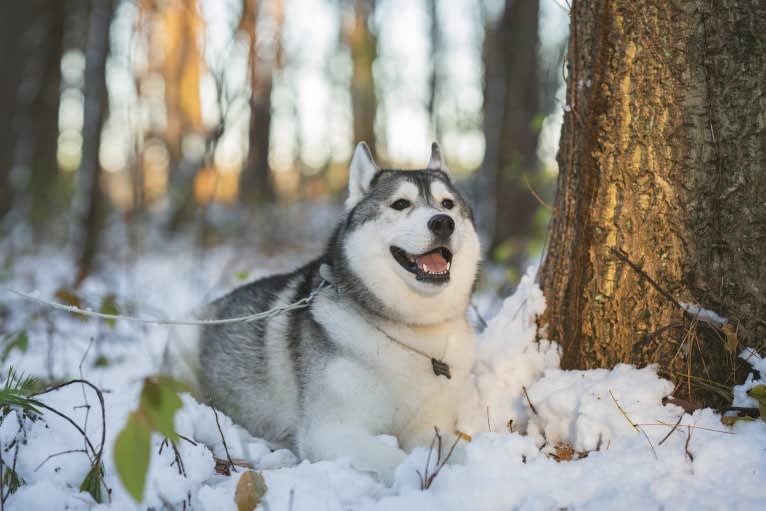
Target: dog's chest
x: 393, y: 365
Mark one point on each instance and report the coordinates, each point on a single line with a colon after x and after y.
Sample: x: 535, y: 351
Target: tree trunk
x: 511, y: 106
x: 88, y: 198
x: 255, y: 184
x: 433, y: 81
x: 363, y: 46
x: 661, y: 186
x: 30, y: 54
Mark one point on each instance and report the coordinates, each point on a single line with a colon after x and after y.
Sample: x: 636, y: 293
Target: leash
x: 300, y: 304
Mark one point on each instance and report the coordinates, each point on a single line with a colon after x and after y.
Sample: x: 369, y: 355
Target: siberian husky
x: 383, y: 347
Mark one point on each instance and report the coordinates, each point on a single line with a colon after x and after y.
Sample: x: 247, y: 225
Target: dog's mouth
x: 432, y: 266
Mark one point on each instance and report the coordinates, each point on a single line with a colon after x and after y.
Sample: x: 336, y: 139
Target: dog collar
x: 440, y: 367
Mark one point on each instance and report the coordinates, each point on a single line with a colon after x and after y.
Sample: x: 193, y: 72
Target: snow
x: 613, y: 420
x: 703, y: 314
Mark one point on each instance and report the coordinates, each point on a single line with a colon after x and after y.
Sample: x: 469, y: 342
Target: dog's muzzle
x: 432, y: 266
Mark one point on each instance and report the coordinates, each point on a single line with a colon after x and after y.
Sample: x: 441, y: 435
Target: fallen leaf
x: 251, y: 488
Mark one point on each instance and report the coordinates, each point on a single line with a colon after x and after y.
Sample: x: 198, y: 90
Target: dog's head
x: 410, y: 239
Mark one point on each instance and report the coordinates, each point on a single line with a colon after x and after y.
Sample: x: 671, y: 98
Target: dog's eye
x: 401, y: 204
x: 448, y: 203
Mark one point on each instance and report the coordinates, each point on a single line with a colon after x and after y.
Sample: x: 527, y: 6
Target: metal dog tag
x: 441, y: 368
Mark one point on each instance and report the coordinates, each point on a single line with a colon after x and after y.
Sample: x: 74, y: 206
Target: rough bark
x: 88, y: 197
x: 661, y: 187
x: 511, y: 104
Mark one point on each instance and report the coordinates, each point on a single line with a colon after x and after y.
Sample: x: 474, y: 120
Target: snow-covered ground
x: 598, y: 439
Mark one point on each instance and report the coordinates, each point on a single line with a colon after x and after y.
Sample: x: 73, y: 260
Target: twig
x: 633, y: 424
x: 531, y: 406
x: 82, y: 387
x: 98, y: 454
x: 223, y: 439
x: 622, y: 411
x: 686, y: 445
x: 621, y: 255
x: 70, y: 421
x: 187, y: 439
x: 535, y: 195
x: 425, y: 479
x: 178, y: 461
x: 672, y: 429
x: 100, y: 396
x: 50, y: 457
x: 701, y: 428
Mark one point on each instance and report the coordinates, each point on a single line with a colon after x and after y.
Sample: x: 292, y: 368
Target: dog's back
x: 251, y: 370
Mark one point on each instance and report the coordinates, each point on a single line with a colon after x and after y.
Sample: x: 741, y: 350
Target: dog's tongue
x: 433, y: 262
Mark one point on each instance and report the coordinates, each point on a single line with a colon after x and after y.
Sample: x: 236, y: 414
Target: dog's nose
x: 442, y: 225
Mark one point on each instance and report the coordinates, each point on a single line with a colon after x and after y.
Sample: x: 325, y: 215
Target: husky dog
x: 384, y: 346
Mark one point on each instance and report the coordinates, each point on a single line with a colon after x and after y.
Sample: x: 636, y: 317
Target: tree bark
x: 660, y: 190
x: 88, y: 197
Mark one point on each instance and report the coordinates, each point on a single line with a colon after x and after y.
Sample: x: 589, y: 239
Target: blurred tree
x: 363, y: 45
x: 31, y: 47
x: 661, y: 190
x: 255, y: 184
x: 176, y: 54
x: 433, y: 82
x: 88, y: 202
x: 512, y: 125
x: 174, y: 33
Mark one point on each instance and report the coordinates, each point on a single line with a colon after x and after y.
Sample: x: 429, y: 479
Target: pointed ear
x: 361, y: 172
x: 436, y: 162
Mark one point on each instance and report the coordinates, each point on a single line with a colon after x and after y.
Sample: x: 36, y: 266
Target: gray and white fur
x: 328, y: 379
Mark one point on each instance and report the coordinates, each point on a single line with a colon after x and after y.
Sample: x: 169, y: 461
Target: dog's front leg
x: 332, y: 440
x: 343, y: 414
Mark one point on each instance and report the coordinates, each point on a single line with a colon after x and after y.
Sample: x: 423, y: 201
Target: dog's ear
x: 361, y: 172
x: 436, y: 162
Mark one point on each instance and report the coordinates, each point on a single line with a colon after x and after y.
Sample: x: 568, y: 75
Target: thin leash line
x: 400, y: 343
x: 300, y: 304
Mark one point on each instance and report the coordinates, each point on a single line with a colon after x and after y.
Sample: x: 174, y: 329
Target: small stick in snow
x: 425, y: 479
x: 686, y: 445
x: 54, y: 455
x: 633, y: 424
x: 672, y: 429
x: 231, y: 465
x: 531, y: 406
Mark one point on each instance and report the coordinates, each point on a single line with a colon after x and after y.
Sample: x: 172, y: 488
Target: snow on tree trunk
x: 661, y: 189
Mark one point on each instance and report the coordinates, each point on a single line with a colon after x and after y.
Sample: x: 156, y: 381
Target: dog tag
x: 441, y: 368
